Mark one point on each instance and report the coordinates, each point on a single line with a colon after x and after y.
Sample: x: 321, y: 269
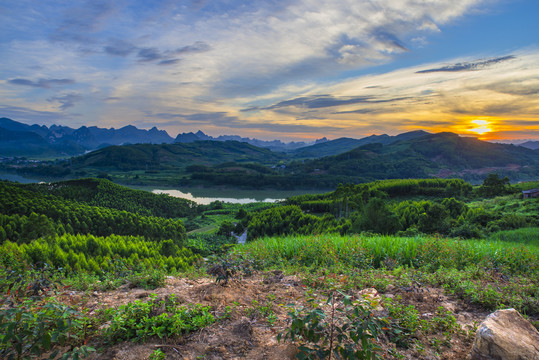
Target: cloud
x: 120, y: 48
x: 468, y: 66
x: 196, y: 47
x: 149, y: 54
x: 224, y: 120
x: 324, y: 101
x: 168, y: 62
x: 66, y: 101
x: 80, y: 22
x: 167, y: 57
x: 41, y: 83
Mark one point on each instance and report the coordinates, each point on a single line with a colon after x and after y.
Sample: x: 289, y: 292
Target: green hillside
x: 178, y: 155
x: 238, y: 164
x: 104, y: 193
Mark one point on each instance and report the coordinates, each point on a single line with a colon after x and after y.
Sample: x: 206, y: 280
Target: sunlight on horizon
x: 482, y: 127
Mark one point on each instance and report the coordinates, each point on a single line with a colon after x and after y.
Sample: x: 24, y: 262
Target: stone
x: 506, y: 335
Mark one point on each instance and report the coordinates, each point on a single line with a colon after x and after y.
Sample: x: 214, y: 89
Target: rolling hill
x: 177, y: 155
x: 431, y: 155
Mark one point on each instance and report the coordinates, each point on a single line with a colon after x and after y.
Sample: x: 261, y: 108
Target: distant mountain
x: 534, y: 145
x: 35, y: 140
x: 274, y: 145
x: 341, y: 145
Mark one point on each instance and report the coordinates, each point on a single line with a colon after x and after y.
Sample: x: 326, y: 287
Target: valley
x: 269, y: 180
x: 324, y: 165
x: 413, y: 238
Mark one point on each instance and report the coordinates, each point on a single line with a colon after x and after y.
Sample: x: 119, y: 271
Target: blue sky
x: 295, y: 69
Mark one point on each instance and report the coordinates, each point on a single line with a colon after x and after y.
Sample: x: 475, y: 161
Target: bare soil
x: 247, y: 335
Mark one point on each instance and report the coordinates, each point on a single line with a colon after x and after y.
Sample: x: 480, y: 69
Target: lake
x: 204, y: 196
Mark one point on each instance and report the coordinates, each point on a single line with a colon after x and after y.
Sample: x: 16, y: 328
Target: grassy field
x: 494, y: 273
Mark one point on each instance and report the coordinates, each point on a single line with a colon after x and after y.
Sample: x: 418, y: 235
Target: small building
x: 528, y: 194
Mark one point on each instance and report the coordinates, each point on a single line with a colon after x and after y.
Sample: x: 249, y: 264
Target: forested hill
x: 27, y: 214
x: 238, y: 164
x: 104, y: 193
x: 178, y: 155
x: 441, y: 155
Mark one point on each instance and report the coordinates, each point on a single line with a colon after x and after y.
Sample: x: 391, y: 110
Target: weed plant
x: 163, y: 318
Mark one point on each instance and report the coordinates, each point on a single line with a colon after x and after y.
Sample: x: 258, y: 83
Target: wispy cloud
x: 32, y: 116
x: 41, y: 83
x: 81, y: 21
x: 119, y: 47
x: 66, y: 100
x: 468, y: 66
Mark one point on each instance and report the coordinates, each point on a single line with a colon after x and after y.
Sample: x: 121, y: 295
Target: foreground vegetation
x: 470, y: 269
x: 400, y: 237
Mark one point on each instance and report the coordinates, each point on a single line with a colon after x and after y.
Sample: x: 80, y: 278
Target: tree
x: 434, y: 220
x: 377, y: 217
x: 494, y: 186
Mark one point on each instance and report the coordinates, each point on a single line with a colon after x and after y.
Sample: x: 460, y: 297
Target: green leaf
x: 46, y: 341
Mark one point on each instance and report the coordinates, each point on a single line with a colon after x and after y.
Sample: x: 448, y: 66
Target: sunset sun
x: 481, y: 127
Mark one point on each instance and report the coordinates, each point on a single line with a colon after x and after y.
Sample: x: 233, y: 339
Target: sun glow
x: 482, y: 127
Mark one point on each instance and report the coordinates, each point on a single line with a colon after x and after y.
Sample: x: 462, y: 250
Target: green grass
x: 526, y: 236
x: 373, y: 251
x: 527, y: 185
x: 494, y: 273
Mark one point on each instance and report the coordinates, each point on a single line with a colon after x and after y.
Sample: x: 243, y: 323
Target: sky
x: 280, y: 69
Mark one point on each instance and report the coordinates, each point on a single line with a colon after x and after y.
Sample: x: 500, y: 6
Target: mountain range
x: 274, y: 145
x: 18, y: 139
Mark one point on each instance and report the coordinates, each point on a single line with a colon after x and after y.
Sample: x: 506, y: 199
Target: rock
x: 243, y: 328
x: 449, y: 306
x: 506, y: 335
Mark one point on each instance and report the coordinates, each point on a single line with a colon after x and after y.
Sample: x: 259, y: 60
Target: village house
x: 528, y: 194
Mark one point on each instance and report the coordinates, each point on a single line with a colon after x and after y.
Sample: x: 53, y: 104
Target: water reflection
x: 201, y: 200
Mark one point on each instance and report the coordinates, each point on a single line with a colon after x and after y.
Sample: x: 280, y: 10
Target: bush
x: 158, y: 317
x: 31, y: 329
x: 350, y: 331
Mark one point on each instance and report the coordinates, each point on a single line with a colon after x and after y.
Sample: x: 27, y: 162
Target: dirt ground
x: 247, y: 335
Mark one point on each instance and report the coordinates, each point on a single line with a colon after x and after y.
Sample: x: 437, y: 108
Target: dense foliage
x: 104, y: 193
x: 99, y: 255
x: 405, y: 207
x: 26, y: 215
